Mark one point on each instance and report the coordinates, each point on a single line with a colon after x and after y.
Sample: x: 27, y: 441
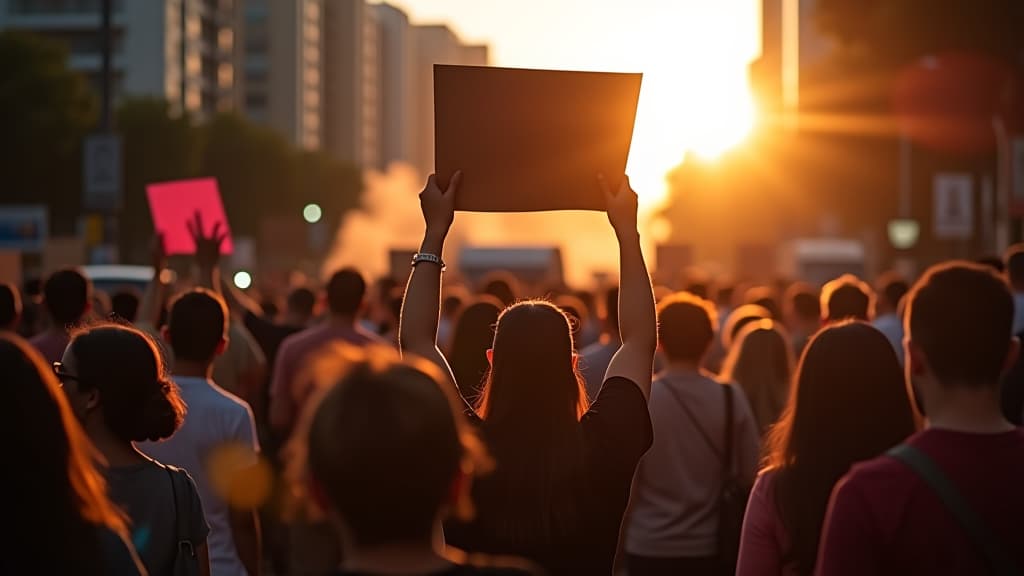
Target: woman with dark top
x: 563, y: 468
x: 115, y: 380
x: 850, y: 403
x: 60, y: 519
x: 474, y: 331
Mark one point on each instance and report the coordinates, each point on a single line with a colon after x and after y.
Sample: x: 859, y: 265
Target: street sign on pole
x: 102, y: 172
x: 953, y: 205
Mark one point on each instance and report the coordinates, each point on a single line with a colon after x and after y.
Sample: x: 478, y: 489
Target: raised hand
x: 207, y: 247
x: 438, y: 205
x: 622, y: 205
x: 157, y: 253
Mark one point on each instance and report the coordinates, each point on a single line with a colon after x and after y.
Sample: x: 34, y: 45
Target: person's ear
x: 917, y: 362
x: 165, y: 333
x: 490, y: 357
x: 92, y: 400
x: 1012, y: 354
x: 221, y: 346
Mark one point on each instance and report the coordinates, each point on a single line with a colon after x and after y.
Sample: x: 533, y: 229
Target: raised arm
x: 421, y: 307
x: 637, y: 319
x: 155, y: 295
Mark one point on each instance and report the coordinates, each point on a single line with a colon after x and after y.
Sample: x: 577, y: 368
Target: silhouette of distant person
x: 67, y: 296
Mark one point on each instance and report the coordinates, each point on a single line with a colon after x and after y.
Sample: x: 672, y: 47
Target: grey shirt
x: 674, y: 511
x: 144, y: 492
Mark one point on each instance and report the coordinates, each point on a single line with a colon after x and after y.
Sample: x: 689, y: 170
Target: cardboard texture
x: 174, y: 204
x: 532, y: 140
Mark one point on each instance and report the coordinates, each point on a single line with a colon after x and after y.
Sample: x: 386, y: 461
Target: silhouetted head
x: 686, y: 327
x: 849, y: 404
x: 891, y: 288
x: 765, y: 297
x: 346, y: 293
x: 994, y: 262
x: 403, y: 430
x: 10, y: 306
x: 959, y: 324
x: 803, y: 306
x: 64, y: 496
x: 452, y: 304
x: 67, y: 295
x: 471, y: 338
x: 1015, y: 266
x: 739, y: 318
x: 301, y: 303
x: 197, y: 326
x: 761, y: 362
x: 114, y: 375
x: 502, y: 286
x: 846, y: 298
x: 125, y: 304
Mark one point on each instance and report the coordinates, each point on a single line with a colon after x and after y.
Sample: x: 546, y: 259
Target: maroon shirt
x: 51, y: 344
x: 884, y: 519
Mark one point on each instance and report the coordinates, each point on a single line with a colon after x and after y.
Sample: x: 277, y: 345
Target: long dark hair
x: 761, y: 362
x: 62, y: 499
x: 473, y: 334
x: 531, y: 404
x: 849, y: 404
x: 139, y: 401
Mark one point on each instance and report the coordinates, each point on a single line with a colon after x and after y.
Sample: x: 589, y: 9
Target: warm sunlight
x: 693, y: 53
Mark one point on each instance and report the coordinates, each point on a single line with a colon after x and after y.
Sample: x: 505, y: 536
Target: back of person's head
x: 471, y: 337
x: 803, y: 306
x: 1015, y: 266
x: 531, y: 404
x: 301, y: 302
x: 846, y: 298
x: 63, y: 496
x: 502, y: 286
x: 125, y: 304
x: 10, y: 306
x: 891, y: 288
x: 197, y: 326
x: 960, y: 319
x: 397, y: 424
x: 589, y: 300
x: 346, y: 293
x: 611, y: 310
x: 761, y: 362
x: 724, y: 295
x: 686, y: 327
x: 67, y: 295
x: 849, y: 403
x: 452, y: 304
x: 739, y: 318
x: 765, y: 297
x: 123, y: 367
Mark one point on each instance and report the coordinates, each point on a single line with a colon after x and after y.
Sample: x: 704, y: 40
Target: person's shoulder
x: 301, y: 338
x: 228, y: 402
x: 880, y: 476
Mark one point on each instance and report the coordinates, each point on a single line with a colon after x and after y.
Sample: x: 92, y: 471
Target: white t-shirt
x: 674, y: 509
x: 215, y: 419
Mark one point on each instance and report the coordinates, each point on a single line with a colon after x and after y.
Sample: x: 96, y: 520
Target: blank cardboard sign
x: 530, y: 140
x: 174, y: 204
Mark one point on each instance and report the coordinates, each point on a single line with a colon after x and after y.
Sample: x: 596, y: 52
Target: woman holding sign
x: 564, y: 467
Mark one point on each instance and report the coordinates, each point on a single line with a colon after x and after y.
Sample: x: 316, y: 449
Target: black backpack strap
x: 727, y: 458
x: 998, y: 561
x: 180, y: 494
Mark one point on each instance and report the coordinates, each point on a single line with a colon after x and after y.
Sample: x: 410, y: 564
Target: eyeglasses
x: 62, y: 374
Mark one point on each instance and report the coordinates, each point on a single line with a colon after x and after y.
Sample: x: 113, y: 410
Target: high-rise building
x: 148, y: 55
x: 397, y: 84
x: 283, y: 68
x: 351, y: 73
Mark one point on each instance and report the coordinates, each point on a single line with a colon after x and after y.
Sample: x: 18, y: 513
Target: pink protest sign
x: 175, y: 204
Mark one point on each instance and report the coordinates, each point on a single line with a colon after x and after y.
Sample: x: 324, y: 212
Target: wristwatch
x: 427, y: 257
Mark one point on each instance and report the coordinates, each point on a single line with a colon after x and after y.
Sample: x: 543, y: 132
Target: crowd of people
x: 443, y: 429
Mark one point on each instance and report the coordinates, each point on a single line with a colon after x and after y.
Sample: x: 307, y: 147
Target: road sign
x: 953, y: 204
x: 102, y: 172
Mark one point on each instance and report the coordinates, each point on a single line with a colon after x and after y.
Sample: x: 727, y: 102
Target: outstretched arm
x: 155, y: 295
x: 421, y: 307
x: 637, y: 319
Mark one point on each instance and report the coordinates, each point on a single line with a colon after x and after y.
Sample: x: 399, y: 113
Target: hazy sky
x: 693, y: 53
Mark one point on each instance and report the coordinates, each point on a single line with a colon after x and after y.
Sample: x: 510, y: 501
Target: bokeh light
x: 243, y: 279
x: 312, y: 213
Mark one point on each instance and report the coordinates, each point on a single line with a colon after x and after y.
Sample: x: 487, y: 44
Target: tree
x: 157, y: 147
x: 45, y: 109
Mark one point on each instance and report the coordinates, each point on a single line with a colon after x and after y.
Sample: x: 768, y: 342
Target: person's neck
x: 342, y: 321
x: 962, y: 409
x: 116, y: 452
x: 683, y: 366
x: 193, y: 369
x: 401, y: 558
